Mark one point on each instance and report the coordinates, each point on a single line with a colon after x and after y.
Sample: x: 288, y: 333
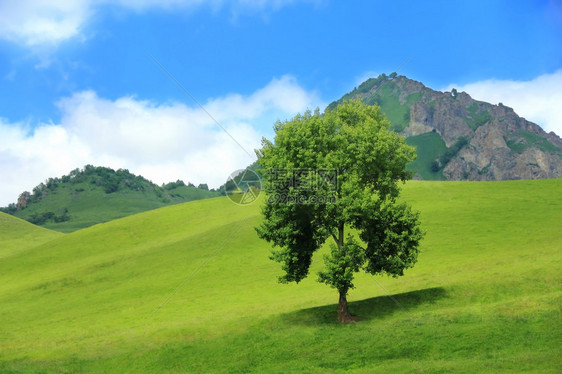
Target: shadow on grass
x: 368, y: 309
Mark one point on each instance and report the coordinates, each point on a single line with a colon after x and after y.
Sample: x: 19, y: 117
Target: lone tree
x: 328, y: 174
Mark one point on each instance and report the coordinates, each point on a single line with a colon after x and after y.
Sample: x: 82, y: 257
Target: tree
x: 328, y: 174
x: 435, y: 166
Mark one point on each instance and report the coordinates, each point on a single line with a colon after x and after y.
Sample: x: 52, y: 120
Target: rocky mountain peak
x: 460, y: 138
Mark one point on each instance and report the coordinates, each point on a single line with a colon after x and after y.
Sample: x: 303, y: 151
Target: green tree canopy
x: 328, y: 174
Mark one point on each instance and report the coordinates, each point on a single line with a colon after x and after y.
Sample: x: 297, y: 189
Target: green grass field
x: 17, y: 235
x: 190, y: 288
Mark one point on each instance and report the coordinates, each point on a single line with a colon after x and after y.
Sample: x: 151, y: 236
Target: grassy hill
x: 98, y: 194
x: 190, y: 288
x: 17, y: 235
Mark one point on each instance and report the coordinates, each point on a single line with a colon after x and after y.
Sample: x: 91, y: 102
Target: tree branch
x: 340, y: 234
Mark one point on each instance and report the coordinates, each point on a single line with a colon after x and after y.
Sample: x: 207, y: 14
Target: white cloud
x: 48, y: 23
x: 162, y: 142
x: 36, y: 22
x: 538, y: 100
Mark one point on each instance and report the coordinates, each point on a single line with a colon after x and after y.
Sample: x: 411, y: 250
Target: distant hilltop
x: 93, y: 195
x: 459, y: 138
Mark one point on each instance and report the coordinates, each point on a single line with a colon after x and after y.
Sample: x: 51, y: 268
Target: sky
x: 186, y: 89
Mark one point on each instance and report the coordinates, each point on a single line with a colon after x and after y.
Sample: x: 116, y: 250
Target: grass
x: 189, y: 288
x: 397, y: 113
x: 386, y: 95
x: 478, y: 118
x: 532, y: 140
x: 429, y: 146
x: 17, y: 235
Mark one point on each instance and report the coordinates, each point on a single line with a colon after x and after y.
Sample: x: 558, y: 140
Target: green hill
x: 98, y: 194
x: 190, y: 288
x: 17, y: 235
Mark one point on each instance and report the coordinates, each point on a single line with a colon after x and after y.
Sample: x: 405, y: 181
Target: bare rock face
x: 554, y: 139
x: 417, y: 128
x: 23, y: 200
x: 531, y: 164
x: 443, y: 118
x: 488, y: 156
x: 497, y: 143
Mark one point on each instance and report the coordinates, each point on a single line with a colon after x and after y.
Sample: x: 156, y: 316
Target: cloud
x: 34, y: 23
x: 161, y: 141
x: 538, y: 100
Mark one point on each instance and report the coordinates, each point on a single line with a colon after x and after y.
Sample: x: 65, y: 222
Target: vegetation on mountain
x: 449, y: 153
x: 477, y: 118
x: 531, y: 140
x: 429, y: 146
x: 98, y: 194
x: 304, y: 209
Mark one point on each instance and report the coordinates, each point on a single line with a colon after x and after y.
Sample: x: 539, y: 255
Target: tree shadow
x: 373, y: 308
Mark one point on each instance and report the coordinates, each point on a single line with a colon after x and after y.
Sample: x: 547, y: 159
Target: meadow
x: 190, y: 288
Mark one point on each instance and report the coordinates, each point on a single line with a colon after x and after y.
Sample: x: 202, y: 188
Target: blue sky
x: 79, y: 86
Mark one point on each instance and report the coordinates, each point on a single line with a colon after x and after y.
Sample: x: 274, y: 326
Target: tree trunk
x: 343, y: 313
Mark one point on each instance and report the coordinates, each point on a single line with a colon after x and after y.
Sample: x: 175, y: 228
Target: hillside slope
x: 459, y: 138
x: 98, y: 194
x: 190, y: 288
x: 17, y: 235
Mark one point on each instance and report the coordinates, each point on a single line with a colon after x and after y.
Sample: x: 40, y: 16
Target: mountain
x: 98, y: 194
x: 459, y: 138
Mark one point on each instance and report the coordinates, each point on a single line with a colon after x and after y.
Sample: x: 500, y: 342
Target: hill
x: 459, y: 138
x: 17, y: 235
x: 98, y: 194
x: 190, y: 288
